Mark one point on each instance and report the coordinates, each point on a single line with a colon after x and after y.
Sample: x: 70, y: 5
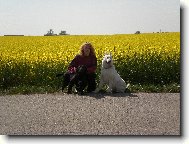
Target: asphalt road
x: 92, y: 114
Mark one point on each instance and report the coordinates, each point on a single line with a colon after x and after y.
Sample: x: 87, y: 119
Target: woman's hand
x: 72, y: 69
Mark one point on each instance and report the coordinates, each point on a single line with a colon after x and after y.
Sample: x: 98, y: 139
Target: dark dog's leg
x: 79, y: 87
x: 71, y: 83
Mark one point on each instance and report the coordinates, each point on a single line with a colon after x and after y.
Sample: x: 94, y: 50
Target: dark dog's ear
x: 79, y: 68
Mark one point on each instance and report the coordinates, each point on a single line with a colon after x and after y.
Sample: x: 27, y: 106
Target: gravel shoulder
x: 92, y: 114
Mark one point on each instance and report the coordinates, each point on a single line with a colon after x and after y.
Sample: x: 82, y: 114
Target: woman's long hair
x: 92, y: 51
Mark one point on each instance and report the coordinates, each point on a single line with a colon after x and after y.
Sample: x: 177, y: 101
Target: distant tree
x: 137, y: 32
x: 50, y: 33
x: 63, y: 33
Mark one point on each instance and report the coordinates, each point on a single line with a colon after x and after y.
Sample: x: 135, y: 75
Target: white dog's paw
x: 109, y: 90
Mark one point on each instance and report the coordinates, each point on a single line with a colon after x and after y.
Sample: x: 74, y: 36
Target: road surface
x: 92, y: 114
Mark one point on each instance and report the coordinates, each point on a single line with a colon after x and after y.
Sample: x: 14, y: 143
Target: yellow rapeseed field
x: 139, y: 58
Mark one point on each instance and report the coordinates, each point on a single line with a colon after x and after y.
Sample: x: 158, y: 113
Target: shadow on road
x: 104, y: 94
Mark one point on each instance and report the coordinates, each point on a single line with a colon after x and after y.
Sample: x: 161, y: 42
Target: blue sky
x: 36, y: 17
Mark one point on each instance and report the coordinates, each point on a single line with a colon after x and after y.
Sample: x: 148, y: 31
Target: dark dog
x: 79, y: 79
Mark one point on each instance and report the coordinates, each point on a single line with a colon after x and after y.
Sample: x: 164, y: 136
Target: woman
x: 87, y: 58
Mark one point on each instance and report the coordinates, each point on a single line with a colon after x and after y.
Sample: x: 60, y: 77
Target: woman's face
x: 86, y: 50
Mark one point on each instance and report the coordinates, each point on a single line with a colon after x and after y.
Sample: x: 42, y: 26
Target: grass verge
x: 171, y: 88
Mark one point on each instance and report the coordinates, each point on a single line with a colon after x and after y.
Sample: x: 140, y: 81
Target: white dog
x: 110, y: 76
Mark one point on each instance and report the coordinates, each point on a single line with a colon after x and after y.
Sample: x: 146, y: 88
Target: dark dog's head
x: 81, y: 70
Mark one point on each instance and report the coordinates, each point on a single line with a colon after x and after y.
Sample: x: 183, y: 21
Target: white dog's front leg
x: 110, y: 86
